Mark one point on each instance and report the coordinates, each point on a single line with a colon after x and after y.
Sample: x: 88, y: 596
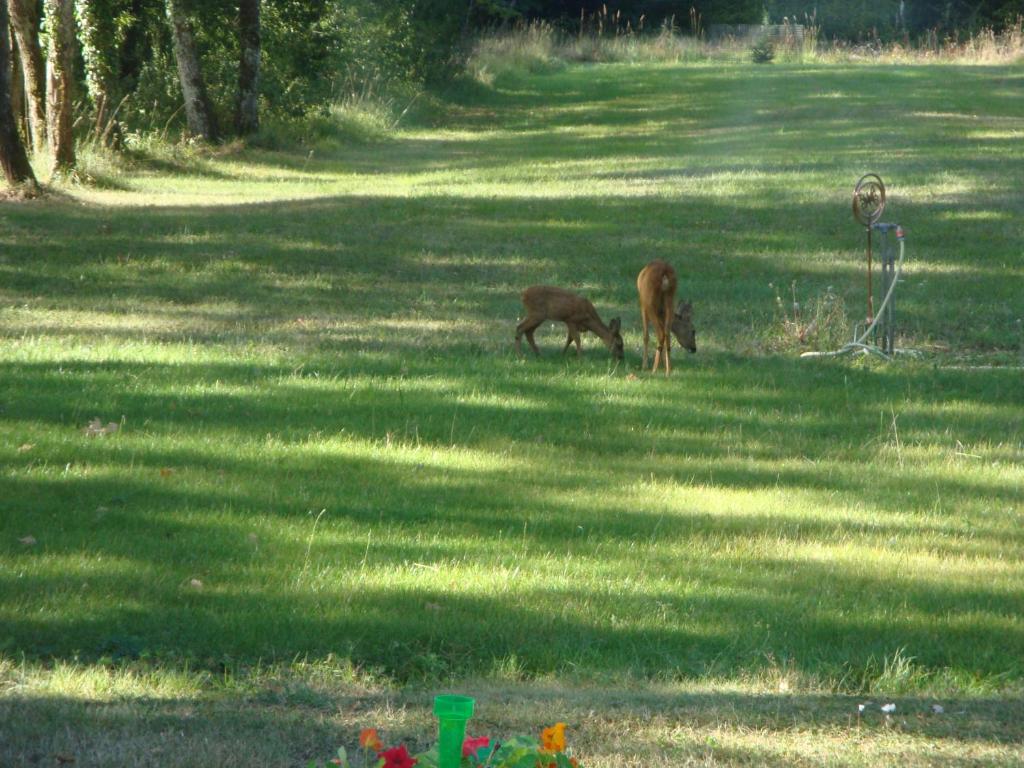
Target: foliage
x: 314, y: 55
x: 762, y: 52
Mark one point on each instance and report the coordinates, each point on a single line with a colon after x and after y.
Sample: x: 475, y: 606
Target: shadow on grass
x: 349, y: 264
x: 390, y: 399
x: 413, y: 480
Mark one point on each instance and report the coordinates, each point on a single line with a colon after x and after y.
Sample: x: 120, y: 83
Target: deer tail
x: 665, y: 282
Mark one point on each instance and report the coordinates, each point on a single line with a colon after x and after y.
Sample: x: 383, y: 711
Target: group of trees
x: 49, y: 50
x: 101, y: 68
x: 107, y: 68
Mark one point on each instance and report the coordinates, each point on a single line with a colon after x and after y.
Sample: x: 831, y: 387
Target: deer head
x: 682, y: 326
x: 615, y: 343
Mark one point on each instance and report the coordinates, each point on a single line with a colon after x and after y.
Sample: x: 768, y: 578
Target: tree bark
x: 247, y: 119
x: 198, y: 111
x: 18, y: 89
x: 25, y: 23
x: 60, y: 20
x: 13, y: 157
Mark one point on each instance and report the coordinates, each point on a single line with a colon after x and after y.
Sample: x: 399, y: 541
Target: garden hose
x: 859, y: 345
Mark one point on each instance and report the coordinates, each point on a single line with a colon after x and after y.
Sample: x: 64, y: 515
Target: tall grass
x: 523, y: 49
x: 985, y: 47
x: 536, y: 46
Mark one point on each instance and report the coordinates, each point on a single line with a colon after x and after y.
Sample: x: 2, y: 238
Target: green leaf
x: 428, y: 759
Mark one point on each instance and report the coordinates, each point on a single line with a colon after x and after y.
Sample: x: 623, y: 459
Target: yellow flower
x: 553, y: 739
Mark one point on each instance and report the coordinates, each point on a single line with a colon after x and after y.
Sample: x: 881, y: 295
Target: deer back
x: 656, y: 285
x: 554, y: 303
x: 550, y: 303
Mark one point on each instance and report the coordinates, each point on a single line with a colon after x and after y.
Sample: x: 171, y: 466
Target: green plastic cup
x: 452, y: 712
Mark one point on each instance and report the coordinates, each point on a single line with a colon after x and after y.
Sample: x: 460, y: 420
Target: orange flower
x: 368, y: 739
x: 553, y: 739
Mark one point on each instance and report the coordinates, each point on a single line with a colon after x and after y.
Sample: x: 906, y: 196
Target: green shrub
x: 763, y: 52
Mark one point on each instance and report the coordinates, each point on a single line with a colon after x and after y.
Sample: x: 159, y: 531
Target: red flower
x: 397, y: 757
x: 471, y: 745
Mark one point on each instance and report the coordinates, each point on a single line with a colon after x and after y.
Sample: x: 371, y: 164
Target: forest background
x: 119, y: 72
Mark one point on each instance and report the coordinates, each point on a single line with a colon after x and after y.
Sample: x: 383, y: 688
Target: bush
x: 762, y: 52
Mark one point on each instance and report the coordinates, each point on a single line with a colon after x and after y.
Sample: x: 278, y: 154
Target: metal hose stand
x: 859, y: 343
x: 868, y: 205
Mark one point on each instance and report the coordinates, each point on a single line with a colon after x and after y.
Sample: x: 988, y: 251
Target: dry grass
x: 985, y: 48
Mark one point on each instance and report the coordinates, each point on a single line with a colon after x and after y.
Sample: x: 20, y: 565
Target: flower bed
x: 546, y: 751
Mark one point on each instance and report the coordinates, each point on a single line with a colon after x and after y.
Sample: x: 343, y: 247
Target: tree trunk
x: 60, y: 20
x: 198, y: 112
x: 18, y: 89
x: 13, y: 157
x: 99, y: 53
x: 25, y: 23
x: 247, y: 119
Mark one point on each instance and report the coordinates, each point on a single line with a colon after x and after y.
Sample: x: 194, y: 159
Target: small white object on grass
x: 888, y: 708
x: 938, y: 709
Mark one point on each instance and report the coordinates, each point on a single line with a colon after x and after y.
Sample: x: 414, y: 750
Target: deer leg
x: 568, y: 338
x: 576, y: 338
x: 647, y: 337
x: 668, y: 338
x: 520, y: 329
x: 528, y: 326
x: 533, y: 344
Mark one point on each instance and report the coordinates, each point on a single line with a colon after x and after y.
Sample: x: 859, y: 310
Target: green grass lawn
x: 334, y: 489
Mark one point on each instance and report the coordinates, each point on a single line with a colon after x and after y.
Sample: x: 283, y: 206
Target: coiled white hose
x: 859, y: 344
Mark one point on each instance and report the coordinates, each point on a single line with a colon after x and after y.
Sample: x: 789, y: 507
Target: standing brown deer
x: 543, y: 302
x: 656, y: 285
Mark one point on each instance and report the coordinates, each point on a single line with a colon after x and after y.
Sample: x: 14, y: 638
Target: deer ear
x: 614, y: 325
x: 684, y: 309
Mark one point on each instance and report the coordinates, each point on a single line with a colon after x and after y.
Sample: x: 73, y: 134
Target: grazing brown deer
x: 656, y: 285
x: 543, y: 302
